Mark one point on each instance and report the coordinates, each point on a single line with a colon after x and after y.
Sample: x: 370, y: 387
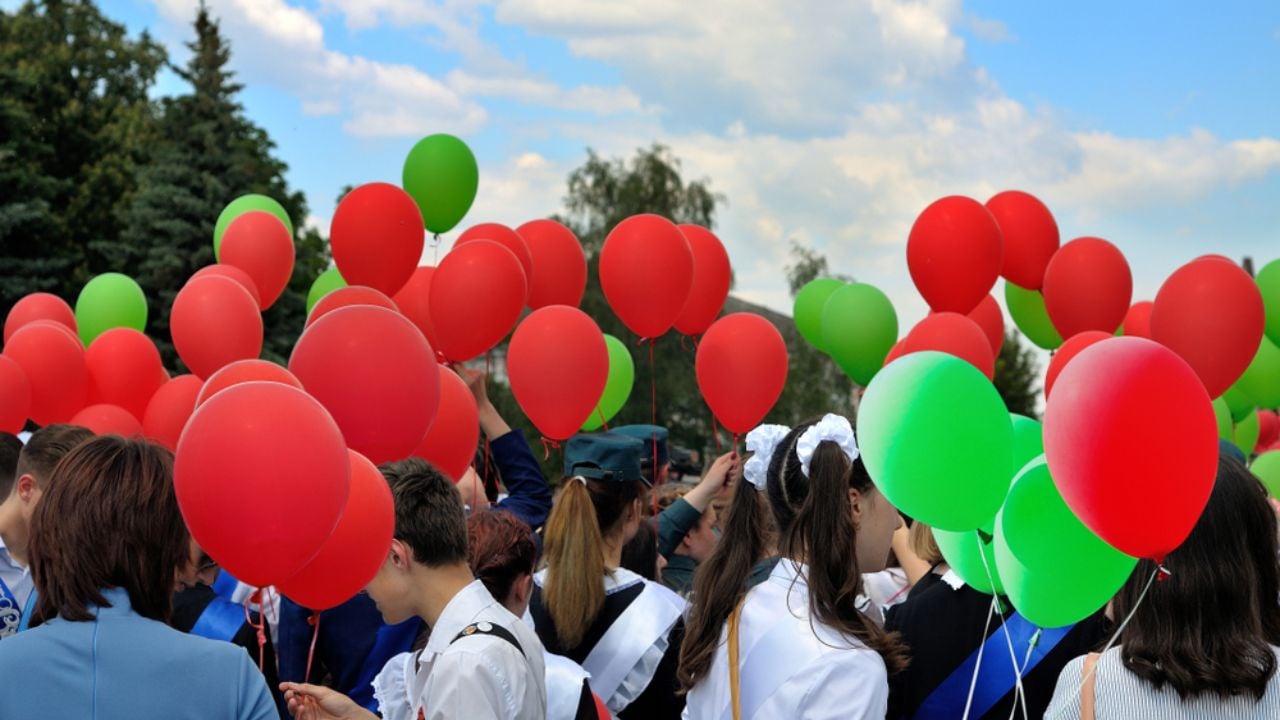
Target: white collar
x: 952, y: 579
x: 459, y: 613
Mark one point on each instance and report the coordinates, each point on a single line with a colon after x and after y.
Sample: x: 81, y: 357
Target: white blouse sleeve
x: 391, y: 687
x: 840, y: 686
x: 1065, y: 704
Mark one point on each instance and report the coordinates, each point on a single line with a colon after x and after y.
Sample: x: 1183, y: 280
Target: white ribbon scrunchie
x: 761, y: 443
x: 831, y: 428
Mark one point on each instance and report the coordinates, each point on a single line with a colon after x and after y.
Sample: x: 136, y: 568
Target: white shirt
x: 789, y: 666
x: 479, y: 676
x: 18, y: 579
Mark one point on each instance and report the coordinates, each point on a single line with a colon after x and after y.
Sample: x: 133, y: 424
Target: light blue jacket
x: 122, y: 665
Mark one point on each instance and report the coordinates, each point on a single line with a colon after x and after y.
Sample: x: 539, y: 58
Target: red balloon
x: 1067, y: 352
x: 558, y: 365
x: 955, y: 253
x: 354, y: 553
x: 504, y: 236
x: 1268, y: 430
x: 235, y: 273
x: 38, y: 306
x: 711, y: 278
x: 559, y: 265
x: 243, y: 371
x: 476, y: 297
x: 376, y: 374
x: 646, y: 272
x: 988, y: 317
x: 104, y: 419
x: 1087, y: 286
x: 169, y: 410
x: 52, y: 358
x: 124, y: 369
x: 1210, y: 312
x: 450, y: 444
x: 262, y: 476
x: 376, y: 236
x: 1142, y: 503
x: 1137, y: 322
x: 1030, y: 237
x: 15, y: 396
x: 954, y: 334
x: 414, y: 301
x: 742, y: 368
x: 898, y: 350
x: 259, y: 244
x: 352, y: 295
x: 214, y: 321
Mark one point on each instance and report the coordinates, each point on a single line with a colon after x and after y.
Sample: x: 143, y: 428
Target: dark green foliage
x: 1017, y: 373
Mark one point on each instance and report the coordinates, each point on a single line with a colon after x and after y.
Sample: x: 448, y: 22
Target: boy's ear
x: 401, y: 555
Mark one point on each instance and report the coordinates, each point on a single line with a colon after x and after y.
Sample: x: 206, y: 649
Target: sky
x: 1153, y: 125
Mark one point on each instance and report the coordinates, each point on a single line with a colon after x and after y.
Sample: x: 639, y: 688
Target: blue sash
x: 225, y: 585
x: 25, y: 622
x: 221, y: 620
x: 996, y: 676
x: 9, y: 606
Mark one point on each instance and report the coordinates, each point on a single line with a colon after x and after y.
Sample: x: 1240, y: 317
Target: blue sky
x: 1153, y: 125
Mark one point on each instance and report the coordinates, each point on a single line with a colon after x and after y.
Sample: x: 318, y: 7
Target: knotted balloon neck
x: 547, y: 445
x: 314, y: 622
x: 260, y: 627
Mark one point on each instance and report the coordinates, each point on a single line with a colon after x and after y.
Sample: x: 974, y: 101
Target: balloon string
x: 653, y: 399
x: 973, y: 684
x: 260, y: 626
x: 1019, y: 691
x: 487, y: 448
x: 435, y: 249
x: 314, y: 622
x: 1088, y: 677
x: 547, y: 444
x: 603, y: 422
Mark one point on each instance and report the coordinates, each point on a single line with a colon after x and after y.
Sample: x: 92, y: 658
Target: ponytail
x: 573, y: 545
x: 720, y: 583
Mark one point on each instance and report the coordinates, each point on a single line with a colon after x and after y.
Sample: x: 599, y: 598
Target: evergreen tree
x: 208, y: 153
x: 1016, y: 375
x: 74, y: 113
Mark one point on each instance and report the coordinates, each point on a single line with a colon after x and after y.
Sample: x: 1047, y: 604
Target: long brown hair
x: 584, y: 512
x: 1208, y: 628
x: 109, y: 519
x: 815, y: 523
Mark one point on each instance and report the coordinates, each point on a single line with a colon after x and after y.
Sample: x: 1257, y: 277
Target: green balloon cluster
x: 1266, y: 467
x: 1028, y: 440
x: 937, y: 440
x: 1222, y: 414
x: 110, y: 300
x: 807, y: 309
x: 859, y: 327
x: 1246, y: 433
x: 1268, y: 280
x: 240, y: 206
x: 441, y: 174
x: 617, y: 388
x: 1027, y: 309
x: 325, y: 283
x: 1238, y: 403
x: 972, y: 556
x: 1260, y: 383
x: 1054, y: 569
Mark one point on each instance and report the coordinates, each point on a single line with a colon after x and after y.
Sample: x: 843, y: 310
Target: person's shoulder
x: 181, y: 647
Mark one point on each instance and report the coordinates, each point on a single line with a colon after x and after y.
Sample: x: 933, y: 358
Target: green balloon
x: 240, y: 206
x: 807, y: 309
x: 1028, y: 440
x: 1055, y: 570
x: 1269, y: 284
x: 1238, y: 402
x: 110, y: 300
x: 859, y: 328
x: 441, y: 175
x: 1246, y: 434
x: 1267, y: 469
x: 325, y: 283
x: 622, y: 377
x: 1026, y: 307
x: 1260, y: 382
x: 976, y: 568
x: 937, y: 440
x: 1222, y: 414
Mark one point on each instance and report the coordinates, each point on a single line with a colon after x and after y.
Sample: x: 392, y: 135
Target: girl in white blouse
x: 796, y: 645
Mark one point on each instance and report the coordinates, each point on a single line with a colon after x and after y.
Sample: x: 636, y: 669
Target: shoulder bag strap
x: 734, y: 680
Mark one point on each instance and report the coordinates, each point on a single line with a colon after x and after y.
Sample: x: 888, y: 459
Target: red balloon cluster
x: 742, y: 369
x: 646, y: 272
x: 1087, y: 286
x: 1030, y: 237
x: 53, y: 361
x: 414, y: 302
x: 475, y: 299
x: 243, y: 371
x: 558, y: 364
x: 711, y: 278
x: 351, y: 295
x: 377, y: 237
x: 38, y: 306
x: 170, y: 408
x: 1067, y: 352
x: 955, y: 253
x: 1137, y: 322
x: 214, y: 321
x: 559, y: 274
x: 450, y: 444
x: 260, y: 245
x: 954, y: 334
x: 988, y: 317
x: 124, y: 370
x: 234, y: 273
x: 15, y: 396
x: 1268, y: 430
x: 104, y: 419
x: 504, y: 236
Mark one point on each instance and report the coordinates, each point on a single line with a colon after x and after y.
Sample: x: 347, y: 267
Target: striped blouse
x: 1120, y: 693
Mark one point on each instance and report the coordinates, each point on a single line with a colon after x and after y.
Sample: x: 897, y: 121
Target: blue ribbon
x: 24, y: 622
x: 996, y: 676
x: 221, y: 620
x: 225, y: 584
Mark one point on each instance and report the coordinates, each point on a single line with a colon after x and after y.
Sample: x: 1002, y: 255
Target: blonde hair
x: 920, y: 540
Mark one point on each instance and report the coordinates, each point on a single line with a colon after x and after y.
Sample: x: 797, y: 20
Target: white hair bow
x: 761, y: 443
x: 831, y: 428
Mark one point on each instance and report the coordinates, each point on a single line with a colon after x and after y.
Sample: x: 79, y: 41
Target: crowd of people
x: 781, y: 584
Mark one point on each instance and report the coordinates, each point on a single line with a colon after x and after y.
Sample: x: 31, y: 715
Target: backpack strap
x: 485, y: 628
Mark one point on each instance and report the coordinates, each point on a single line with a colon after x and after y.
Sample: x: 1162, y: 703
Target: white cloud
x: 531, y: 91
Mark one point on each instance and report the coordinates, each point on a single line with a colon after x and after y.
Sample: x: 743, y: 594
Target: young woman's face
x: 876, y: 519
